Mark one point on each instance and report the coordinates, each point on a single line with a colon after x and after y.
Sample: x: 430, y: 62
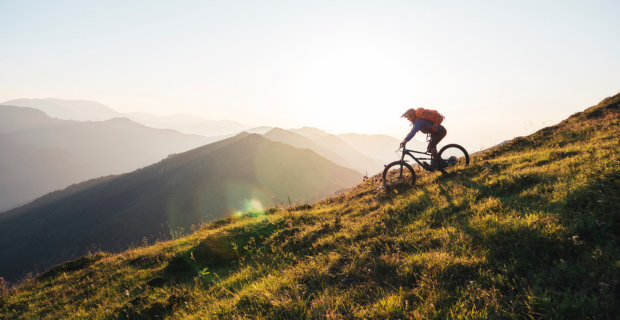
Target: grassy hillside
x: 182, y: 191
x: 532, y: 233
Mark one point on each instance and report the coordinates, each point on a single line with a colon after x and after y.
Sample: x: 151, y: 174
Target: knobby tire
x: 454, y: 150
x: 404, y: 177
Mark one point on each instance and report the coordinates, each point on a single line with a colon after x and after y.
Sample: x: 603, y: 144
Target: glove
x: 403, y: 143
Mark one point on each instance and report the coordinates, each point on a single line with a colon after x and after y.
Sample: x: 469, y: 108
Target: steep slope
x: 380, y: 146
x: 82, y: 150
x: 56, y: 195
x: 247, y: 171
x: 529, y: 230
x: 81, y: 110
x: 299, y: 141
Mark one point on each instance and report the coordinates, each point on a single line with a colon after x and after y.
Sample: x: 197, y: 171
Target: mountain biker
x: 426, y: 127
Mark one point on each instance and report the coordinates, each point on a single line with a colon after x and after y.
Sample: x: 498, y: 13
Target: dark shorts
x: 436, y: 137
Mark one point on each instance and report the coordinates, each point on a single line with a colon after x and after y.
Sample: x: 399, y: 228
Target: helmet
x: 409, y: 113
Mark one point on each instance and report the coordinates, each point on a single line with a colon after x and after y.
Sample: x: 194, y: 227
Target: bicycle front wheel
x: 454, y: 156
x: 398, y: 174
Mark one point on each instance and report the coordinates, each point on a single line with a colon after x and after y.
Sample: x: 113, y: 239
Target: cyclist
x: 425, y: 126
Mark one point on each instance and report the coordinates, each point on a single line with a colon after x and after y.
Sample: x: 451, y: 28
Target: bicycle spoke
x: 454, y: 157
x: 397, y: 175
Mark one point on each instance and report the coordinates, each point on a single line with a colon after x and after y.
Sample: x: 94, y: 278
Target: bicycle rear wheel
x: 398, y: 174
x: 454, y: 156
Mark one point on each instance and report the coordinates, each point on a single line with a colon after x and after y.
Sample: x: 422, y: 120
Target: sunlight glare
x: 254, y: 205
x: 352, y: 82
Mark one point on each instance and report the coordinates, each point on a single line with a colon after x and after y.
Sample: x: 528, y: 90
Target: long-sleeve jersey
x: 421, y: 125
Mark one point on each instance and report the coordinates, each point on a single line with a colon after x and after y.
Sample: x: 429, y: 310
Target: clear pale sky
x: 496, y: 69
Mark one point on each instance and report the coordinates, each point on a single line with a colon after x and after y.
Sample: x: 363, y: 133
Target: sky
x: 495, y: 69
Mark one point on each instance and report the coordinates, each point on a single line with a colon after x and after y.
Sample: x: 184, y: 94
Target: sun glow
x: 347, y: 85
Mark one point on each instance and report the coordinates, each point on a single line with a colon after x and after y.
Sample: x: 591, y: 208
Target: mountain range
x: 379, y: 148
x: 75, y: 140
x: 246, y: 172
x: 330, y: 147
x: 84, y: 110
x: 40, y: 154
x: 80, y: 110
x: 189, y: 124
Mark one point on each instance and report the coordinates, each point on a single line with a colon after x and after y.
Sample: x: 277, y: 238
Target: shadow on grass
x: 73, y: 265
x: 220, y: 250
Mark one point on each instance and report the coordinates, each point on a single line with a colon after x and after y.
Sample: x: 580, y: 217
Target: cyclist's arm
x: 416, y: 128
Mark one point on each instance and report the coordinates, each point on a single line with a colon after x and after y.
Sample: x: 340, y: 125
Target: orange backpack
x: 432, y: 115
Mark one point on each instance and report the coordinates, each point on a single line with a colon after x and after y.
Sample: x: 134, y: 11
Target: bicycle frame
x: 434, y: 166
x: 409, y: 153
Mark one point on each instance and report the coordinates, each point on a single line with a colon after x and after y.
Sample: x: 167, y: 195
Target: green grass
x: 533, y: 233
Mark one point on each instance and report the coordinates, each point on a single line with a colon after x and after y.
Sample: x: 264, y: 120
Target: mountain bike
x: 401, y: 174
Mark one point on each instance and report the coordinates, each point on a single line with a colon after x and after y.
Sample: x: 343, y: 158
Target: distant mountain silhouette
x: 299, y: 141
x: 241, y: 173
x: 28, y: 171
x: 83, y: 110
x: 358, y: 161
x: 309, y: 132
x: 379, y: 146
x: 189, y: 124
x: 80, y: 110
x: 53, y: 153
x: 375, y: 149
x: 174, y: 118
x: 258, y: 130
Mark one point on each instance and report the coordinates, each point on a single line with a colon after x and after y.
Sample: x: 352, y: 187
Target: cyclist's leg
x: 436, y: 137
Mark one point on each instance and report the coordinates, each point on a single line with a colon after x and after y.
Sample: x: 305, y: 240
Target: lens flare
x: 255, y: 205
